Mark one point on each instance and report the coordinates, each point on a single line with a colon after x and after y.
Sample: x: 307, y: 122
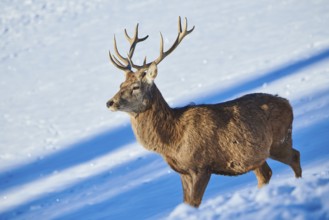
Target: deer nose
x: 110, y: 103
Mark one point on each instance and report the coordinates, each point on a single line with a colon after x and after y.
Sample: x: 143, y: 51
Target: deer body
x: 229, y: 138
x: 221, y: 138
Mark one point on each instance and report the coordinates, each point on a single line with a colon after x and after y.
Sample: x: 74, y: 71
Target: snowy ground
x: 63, y: 155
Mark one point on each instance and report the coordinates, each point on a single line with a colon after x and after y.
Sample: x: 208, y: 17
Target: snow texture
x: 63, y: 155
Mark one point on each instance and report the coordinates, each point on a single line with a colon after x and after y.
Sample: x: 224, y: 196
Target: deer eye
x: 136, y: 88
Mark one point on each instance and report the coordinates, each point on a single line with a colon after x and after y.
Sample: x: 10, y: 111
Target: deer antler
x: 127, y: 63
x: 181, y: 35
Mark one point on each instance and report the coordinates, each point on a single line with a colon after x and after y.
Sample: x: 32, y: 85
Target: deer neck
x: 155, y: 128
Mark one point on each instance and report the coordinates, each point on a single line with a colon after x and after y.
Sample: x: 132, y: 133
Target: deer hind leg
x: 295, y: 165
x: 291, y: 158
x: 284, y: 153
x: 263, y: 174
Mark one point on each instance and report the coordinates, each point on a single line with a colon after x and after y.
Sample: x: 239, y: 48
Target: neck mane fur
x: 155, y: 128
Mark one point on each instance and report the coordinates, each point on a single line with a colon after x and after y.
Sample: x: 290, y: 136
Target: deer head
x: 135, y: 92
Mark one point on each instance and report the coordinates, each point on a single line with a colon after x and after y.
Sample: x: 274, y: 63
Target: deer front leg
x: 263, y: 174
x: 187, y: 186
x: 194, y: 186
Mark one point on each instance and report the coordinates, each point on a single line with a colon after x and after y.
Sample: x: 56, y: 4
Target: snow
x: 282, y: 199
x: 63, y: 155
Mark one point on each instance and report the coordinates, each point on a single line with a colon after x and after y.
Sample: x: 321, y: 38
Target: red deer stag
x: 229, y: 138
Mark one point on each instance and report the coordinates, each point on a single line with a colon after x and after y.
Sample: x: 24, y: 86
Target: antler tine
x: 181, y: 34
x: 144, y: 63
x: 133, y: 41
x: 158, y: 60
x: 179, y: 25
x: 184, y: 32
x: 188, y: 32
x: 135, y: 38
x: 129, y: 39
x: 123, y: 59
x: 118, y: 64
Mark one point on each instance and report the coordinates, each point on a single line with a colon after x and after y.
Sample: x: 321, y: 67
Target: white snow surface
x: 63, y: 155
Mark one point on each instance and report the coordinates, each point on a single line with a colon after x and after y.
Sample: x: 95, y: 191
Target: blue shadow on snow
x: 76, y: 154
x: 266, y: 78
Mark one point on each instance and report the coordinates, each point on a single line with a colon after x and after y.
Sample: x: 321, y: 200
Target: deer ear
x: 152, y: 73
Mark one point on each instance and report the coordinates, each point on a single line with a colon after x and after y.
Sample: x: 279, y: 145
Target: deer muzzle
x: 112, y: 105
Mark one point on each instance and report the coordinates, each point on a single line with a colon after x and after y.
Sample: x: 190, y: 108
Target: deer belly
x: 239, y: 160
x: 234, y: 168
